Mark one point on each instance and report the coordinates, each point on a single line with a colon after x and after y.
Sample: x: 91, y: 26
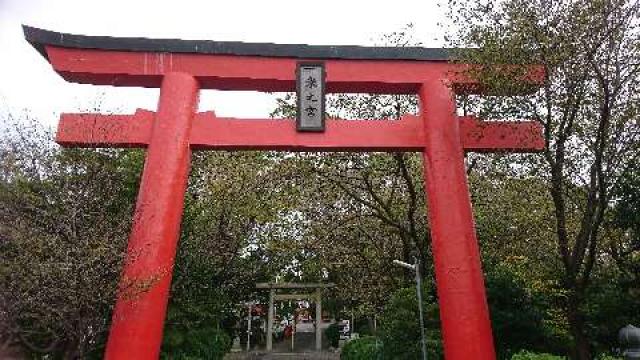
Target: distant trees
x: 224, y: 250
x: 64, y: 220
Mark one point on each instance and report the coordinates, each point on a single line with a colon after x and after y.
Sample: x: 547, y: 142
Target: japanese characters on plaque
x: 310, y: 79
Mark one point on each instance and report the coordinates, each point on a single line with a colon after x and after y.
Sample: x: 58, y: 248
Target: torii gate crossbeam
x: 181, y: 68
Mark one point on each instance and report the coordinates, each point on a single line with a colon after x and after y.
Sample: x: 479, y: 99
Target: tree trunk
x: 581, y: 349
x: 74, y: 349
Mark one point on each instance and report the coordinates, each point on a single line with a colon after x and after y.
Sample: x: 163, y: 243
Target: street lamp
x: 416, y: 268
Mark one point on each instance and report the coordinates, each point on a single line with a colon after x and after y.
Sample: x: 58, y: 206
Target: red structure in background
x: 181, y: 68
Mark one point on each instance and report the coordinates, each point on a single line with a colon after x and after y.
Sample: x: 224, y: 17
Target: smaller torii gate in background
x: 317, y: 295
x: 180, y: 68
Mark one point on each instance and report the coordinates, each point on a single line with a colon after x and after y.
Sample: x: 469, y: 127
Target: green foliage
x: 400, y: 326
x: 627, y: 209
x: 625, y: 247
x: 333, y: 334
x: 517, y: 320
x: 363, y: 327
x: 526, y: 355
x: 204, y: 343
x: 610, y: 306
x: 365, y: 348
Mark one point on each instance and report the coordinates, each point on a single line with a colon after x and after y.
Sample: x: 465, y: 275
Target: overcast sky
x: 28, y: 82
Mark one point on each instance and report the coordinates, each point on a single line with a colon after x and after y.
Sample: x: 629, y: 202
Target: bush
x: 363, y: 327
x: 365, y: 348
x: 526, y: 355
x: 333, y: 334
x: 515, y: 318
x: 204, y: 343
x: 608, y: 357
x: 399, y: 326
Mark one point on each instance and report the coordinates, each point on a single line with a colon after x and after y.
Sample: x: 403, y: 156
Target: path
x: 303, y: 350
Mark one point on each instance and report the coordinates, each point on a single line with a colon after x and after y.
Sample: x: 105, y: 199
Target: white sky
x: 28, y: 82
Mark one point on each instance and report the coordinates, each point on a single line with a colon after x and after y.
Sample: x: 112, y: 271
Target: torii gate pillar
x: 140, y: 309
x: 464, y: 313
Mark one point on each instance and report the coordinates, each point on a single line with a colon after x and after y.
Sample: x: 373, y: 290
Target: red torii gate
x: 180, y: 68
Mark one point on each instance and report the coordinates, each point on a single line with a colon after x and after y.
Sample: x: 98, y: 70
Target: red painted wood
x: 97, y: 130
x: 464, y: 314
x: 227, y: 72
x: 210, y: 133
x: 340, y: 135
x: 138, y: 317
x: 500, y: 136
x: 463, y: 80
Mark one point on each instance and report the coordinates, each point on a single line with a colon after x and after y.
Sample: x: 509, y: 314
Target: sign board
x: 344, y: 327
x: 310, y: 90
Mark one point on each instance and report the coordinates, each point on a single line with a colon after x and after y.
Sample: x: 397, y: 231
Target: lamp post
x: 416, y: 268
x: 249, y: 305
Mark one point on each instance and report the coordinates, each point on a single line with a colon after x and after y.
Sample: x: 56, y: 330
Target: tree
x: 516, y: 319
x: 588, y: 106
x: 64, y: 220
x: 357, y: 219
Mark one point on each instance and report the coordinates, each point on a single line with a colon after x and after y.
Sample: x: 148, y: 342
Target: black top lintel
x: 39, y: 38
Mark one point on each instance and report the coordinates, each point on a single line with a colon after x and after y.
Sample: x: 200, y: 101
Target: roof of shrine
x: 294, y: 285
